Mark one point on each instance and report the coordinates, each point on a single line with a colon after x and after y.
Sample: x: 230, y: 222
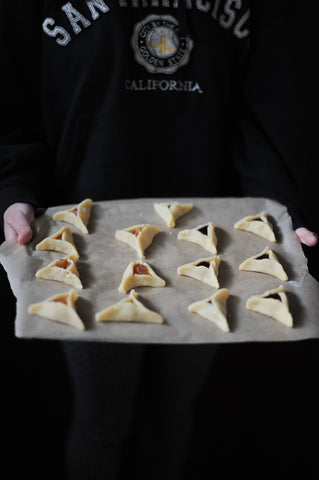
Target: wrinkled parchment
x: 103, y: 260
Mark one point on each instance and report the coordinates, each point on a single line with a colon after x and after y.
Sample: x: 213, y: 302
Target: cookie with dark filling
x: 258, y: 225
x: 203, y: 235
x: 265, y: 262
x: 272, y: 303
x: 203, y: 269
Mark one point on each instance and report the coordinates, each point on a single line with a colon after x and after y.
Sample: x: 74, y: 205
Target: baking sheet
x: 103, y: 260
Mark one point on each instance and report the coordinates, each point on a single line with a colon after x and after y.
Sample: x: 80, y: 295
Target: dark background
x: 257, y: 415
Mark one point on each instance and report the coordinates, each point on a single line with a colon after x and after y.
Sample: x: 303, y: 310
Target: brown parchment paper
x: 103, y: 260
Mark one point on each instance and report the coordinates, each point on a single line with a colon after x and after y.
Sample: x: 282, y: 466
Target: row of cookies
x: 139, y: 273
x: 205, y: 269
x: 272, y: 303
x: 61, y: 307
x: 64, y: 269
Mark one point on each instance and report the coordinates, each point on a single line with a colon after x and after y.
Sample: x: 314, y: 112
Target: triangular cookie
x: 257, y: 224
x: 77, y: 216
x: 62, y: 270
x: 170, y: 212
x: 273, y: 303
x: 204, y: 269
x: 138, y: 237
x: 213, y: 308
x: 59, y: 308
x: 203, y: 235
x: 61, y: 241
x: 138, y: 274
x: 129, y: 310
x: 265, y: 262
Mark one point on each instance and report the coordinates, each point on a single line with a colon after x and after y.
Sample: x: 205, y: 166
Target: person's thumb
x: 306, y: 237
x: 17, y: 222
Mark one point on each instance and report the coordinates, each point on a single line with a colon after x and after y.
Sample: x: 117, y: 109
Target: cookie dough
x: 213, y: 308
x: 138, y: 237
x: 203, y: 269
x: 61, y: 241
x: 59, y: 308
x: 265, y: 262
x: 170, y: 212
x: 258, y: 225
x: 130, y: 309
x: 78, y: 216
x: 203, y: 235
x: 140, y: 274
x: 62, y: 270
x: 273, y: 303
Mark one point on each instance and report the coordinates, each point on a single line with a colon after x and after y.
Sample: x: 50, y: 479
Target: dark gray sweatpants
x: 137, y: 399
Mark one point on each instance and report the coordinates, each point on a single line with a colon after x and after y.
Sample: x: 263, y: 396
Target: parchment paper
x: 103, y: 260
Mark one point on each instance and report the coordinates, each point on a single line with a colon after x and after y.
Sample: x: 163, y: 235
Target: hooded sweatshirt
x: 119, y: 99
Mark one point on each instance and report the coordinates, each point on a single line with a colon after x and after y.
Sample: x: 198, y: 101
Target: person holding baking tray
x: 127, y: 99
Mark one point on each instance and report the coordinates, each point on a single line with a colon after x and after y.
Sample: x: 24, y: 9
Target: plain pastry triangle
x: 257, y: 224
x: 265, y: 262
x: 203, y: 235
x: 170, y: 212
x: 273, y: 303
x: 138, y: 237
x: 138, y: 274
x: 62, y: 270
x: 59, y: 308
x: 213, y: 308
x: 61, y: 241
x: 77, y: 216
x: 203, y: 269
x: 129, y: 310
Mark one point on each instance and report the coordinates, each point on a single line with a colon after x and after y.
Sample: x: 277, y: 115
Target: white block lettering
x: 239, y: 31
x: 97, y: 4
x: 75, y: 17
x: 227, y: 20
x: 59, y: 33
x: 203, y: 6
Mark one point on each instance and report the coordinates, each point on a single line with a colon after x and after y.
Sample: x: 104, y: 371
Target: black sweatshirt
x: 147, y: 98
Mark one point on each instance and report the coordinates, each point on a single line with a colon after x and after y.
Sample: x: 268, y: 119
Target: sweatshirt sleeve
x: 267, y: 135
x: 23, y: 150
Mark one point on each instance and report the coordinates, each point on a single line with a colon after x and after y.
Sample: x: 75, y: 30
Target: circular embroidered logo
x: 159, y: 45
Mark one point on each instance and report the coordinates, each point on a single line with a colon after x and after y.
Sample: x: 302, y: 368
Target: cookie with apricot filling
x: 59, y: 308
x: 139, y: 274
x: 78, y: 215
x: 63, y: 270
x: 138, y: 237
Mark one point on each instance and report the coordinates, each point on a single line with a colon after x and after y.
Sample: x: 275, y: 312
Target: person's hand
x: 17, y: 222
x: 306, y: 237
